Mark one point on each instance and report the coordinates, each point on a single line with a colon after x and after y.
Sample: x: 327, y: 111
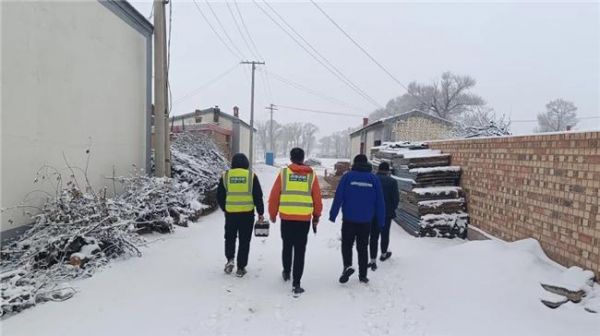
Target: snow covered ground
x: 429, y: 287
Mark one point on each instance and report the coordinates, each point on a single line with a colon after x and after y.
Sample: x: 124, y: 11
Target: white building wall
x: 74, y: 76
x: 245, y: 140
x: 354, y: 146
x: 369, y: 142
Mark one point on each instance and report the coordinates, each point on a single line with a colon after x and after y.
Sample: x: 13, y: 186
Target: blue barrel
x: 269, y: 158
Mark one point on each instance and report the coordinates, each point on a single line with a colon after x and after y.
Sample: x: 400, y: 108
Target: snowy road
x: 429, y: 287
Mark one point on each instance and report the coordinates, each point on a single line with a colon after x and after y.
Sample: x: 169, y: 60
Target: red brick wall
x: 542, y: 186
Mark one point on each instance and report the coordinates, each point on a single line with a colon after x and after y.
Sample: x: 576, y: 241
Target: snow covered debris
x: 435, y: 169
x: 437, y: 190
x: 82, y: 229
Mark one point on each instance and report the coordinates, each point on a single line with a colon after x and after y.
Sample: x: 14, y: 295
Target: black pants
x: 238, y: 224
x: 385, y: 237
x: 360, y: 233
x: 295, y: 236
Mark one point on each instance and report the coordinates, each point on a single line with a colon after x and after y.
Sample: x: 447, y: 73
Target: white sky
x: 521, y: 54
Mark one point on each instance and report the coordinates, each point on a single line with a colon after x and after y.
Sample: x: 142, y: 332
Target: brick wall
x: 543, y: 186
x: 420, y: 129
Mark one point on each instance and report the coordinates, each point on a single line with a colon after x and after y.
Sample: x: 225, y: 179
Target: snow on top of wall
x: 435, y: 169
x: 436, y: 190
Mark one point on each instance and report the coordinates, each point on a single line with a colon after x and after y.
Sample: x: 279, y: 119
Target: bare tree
x: 337, y: 144
x: 447, y: 98
x: 559, y: 115
x: 308, y: 137
x: 482, y: 121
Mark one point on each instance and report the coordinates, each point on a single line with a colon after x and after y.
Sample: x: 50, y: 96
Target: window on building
x: 377, y: 143
x: 198, y: 119
x: 216, y: 117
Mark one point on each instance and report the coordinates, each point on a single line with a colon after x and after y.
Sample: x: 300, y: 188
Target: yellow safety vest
x: 296, y: 193
x: 238, y: 184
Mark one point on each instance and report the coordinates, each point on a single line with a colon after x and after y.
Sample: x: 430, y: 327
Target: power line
x: 215, y: 31
x: 319, y: 111
x: 329, y: 66
x: 237, y: 26
x: 223, y: 28
x: 358, y: 45
x: 339, y: 72
x: 247, y: 30
x: 205, y: 85
x: 253, y: 49
x: 384, y: 69
x: 308, y: 90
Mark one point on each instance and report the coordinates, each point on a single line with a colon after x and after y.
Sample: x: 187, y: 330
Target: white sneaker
x: 229, y: 266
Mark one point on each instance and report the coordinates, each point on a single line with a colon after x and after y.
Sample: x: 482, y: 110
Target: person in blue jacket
x: 360, y: 197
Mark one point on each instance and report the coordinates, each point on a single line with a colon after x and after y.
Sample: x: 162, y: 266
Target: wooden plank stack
x: 431, y: 202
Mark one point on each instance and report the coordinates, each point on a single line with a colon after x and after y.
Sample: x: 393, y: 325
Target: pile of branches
x: 80, y: 229
x: 197, y: 163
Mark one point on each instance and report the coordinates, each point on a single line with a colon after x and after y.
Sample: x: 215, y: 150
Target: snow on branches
x: 82, y: 229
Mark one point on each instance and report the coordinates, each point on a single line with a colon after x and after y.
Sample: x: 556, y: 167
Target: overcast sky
x: 521, y: 54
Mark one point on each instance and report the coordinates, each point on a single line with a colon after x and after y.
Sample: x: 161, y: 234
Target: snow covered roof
x: 211, y: 110
x: 403, y: 116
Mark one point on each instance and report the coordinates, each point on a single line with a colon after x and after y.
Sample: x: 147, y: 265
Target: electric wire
x: 329, y: 68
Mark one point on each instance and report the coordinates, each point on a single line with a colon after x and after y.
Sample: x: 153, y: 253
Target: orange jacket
x: 276, y: 192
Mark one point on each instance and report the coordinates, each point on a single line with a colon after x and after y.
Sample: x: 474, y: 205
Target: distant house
x: 76, y: 81
x: 410, y: 126
x: 229, y: 132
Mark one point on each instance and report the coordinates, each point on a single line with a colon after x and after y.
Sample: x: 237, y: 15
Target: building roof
x: 403, y: 116
x: 129, y: 14
x: 211, y: 110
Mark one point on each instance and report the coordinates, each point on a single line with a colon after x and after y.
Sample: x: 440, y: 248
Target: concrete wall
x: 74, y: 76
x: 354, y: 146
x: 542, y: 186
x: 420, y: 129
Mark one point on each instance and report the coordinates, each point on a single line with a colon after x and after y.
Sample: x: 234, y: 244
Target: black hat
x: 240, y: 160
x: 297, y: 155
x: 360, y: 158
x: 384, y: 167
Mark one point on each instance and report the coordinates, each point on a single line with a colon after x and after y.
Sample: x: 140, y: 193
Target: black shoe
x: 348, y: 271
x: 229, y: 266
x: 285, y: 275
x: 363, y: 279
x: 385, y: 256
x: 373, y: 266
x: 241, y: 271
x: 297, y: 290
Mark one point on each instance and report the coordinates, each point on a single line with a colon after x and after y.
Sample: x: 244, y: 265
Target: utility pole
x: 160, y: 88
x: 272, y: 108
x: 254, y: 63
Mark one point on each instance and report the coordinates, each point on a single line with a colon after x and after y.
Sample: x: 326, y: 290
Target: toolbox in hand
x: 261, y: 229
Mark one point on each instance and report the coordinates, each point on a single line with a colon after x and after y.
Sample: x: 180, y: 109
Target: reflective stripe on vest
x: 238, y: 184
x: 296, y: 193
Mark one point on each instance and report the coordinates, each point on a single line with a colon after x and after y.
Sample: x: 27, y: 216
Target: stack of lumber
x: 390, y: 151
x: 431, y: 202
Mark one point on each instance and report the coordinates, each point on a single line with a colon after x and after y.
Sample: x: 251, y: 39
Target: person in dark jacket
x: 391, y: 197
x: 239, y: 194
x: 360, y: 197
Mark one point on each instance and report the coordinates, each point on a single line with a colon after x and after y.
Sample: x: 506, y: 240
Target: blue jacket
x: 360, y: 196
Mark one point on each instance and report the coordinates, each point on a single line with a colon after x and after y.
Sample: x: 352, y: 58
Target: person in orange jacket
x: 296, y: 196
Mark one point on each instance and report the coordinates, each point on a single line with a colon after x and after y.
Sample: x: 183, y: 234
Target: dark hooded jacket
x: 360, y: 197
x: 241, y: 161
x: 391, y: 195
